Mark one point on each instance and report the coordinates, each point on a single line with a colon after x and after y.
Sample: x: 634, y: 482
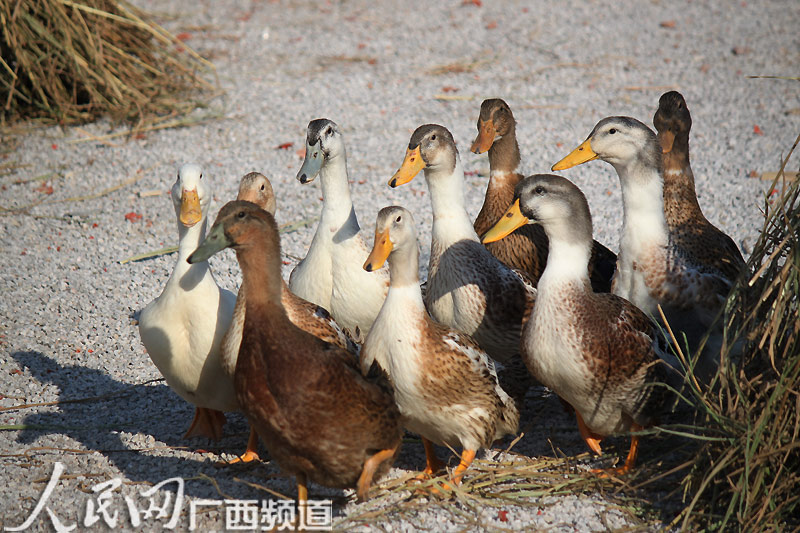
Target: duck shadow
x: 139, y: 430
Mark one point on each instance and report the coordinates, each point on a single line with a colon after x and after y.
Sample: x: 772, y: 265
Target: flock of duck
x: 330, y: 368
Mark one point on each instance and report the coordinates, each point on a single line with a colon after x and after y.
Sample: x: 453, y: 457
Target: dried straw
x: 68, y: 62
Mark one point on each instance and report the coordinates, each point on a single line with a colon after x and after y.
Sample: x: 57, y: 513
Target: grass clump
x: 746, y: 474
x: 68, y: 62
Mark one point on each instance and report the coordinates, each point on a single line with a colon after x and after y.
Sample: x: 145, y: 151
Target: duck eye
x: 539, y: 189
x: 241, y: 214
x: 201, y: 176
x: 329, y: 131
x: 398, y: 219
x: 433, y: 137
x: 262, y: 186
x: 612, y: 131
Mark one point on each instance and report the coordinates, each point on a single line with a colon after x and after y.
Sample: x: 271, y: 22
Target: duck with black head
x: 319, y: 418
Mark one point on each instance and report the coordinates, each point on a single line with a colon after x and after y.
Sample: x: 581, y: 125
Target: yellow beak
x: 411, y: 166
x: 190, y: 208
x: 485, y: 137
x: 581, y: 154
x: 380, y: 251
x: 666, y: 138
x: 511, y: 220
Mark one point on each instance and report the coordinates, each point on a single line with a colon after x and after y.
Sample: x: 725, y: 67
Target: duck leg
x: 433, y: 463
x: 302, y: 500
x: 251, y: 454
x: 467, y: 456
x: 629, y: 461
x: 206, y: 423
x: 370, y: 466
x: 591, y: 439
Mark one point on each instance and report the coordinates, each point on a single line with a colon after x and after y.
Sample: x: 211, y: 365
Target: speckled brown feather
x: 306, y: 398
x: 704, y: 244
x: 526, y: 248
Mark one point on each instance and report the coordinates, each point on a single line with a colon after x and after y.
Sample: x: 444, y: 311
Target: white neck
x: 643, y: 205
x: 184, y: 273
x: 406, y: 296
x: 337, y: 207
x: 566, y: 262
x: 451, y: 222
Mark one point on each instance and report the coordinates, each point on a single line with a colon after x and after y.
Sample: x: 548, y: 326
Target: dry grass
x: 746, y: 474
x: 69, y: 62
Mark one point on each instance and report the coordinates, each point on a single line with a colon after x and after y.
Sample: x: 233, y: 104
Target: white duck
x: 182, y: 329
x: 331, y: 275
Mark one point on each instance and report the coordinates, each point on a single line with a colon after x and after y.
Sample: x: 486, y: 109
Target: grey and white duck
x: 597, y: 351
x: 654, y: 268
x: 331, y: 275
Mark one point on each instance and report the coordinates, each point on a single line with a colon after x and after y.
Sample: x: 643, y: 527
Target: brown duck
x: 698, y: 237
x: 526, y: 248
x: 256, y: 188
x: 320, y: 419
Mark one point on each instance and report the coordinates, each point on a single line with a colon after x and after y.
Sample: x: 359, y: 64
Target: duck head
x: 256, y: 188
x: 431, y: 147
x: 190, y: 195
x: 552, y: 201
x: 620, y: 141
x: 495, y: 121
x: 239, y: 224
x: 395, y: 232
x: 672, y: 119
x: 323, y: 143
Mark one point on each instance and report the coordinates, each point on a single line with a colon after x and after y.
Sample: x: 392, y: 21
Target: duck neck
x: 450, y: 220
x: 679, y: 187
x: 261, y: 277
x: 642, y: 204
x: 404, y: 278
x: 503, y: 178
x: 189, y: 239
x: 568, y: 257
x: 337, y: 206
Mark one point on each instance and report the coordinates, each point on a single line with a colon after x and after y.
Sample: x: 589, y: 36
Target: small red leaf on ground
x: 287, y: 262
x: 16, y: 371
x: 502, y: 516
x: 90, y: 350
x: 301, y: 153
x: 753, y: 174
x: 284, y: 146
x: 476, y: 3
x: 667, y: 24
x: 44, y: 188
x: 133, y: 217
x: 539, y: 511
x: 450, y: 89
x: 362, y: 182
x: 705, y: 67
x: 183, y: 36
x: 492, y: 25
x: 361, y: 46
x: 94, y: 225
x: 54, y: 146
x: 757, y: 130
x: 372, y: 61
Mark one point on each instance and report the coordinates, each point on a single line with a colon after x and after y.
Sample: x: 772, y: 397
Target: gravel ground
x: 67, y: 337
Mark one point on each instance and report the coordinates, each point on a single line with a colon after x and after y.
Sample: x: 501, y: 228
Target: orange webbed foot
x: 251, y: 454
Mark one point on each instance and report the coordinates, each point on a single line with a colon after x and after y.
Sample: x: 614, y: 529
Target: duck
x: 256, y: 188
x: 331, y: 275
x: 596, y: 351
x: 468, y: 289
x: 446, y: 387
x: 654, y: 268
x: 706, y: 244
x: 320, y: 419
x: 182, y: 328
x: 526, y: 248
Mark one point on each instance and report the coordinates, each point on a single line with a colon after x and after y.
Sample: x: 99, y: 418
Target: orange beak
x: 411, y: 166
x: 380, y: 251
x: 190, y: 208
x: 581, y: 154
x: 511, y: 220
x: 485, y: 137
